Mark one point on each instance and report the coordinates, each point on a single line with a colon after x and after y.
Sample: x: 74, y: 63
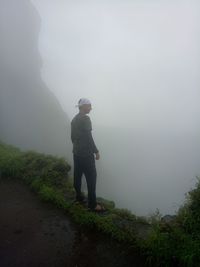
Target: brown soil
x: 34, y: 234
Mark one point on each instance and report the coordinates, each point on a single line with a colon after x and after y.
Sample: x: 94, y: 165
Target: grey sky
x: 142, y: 57
x: 138, y: 62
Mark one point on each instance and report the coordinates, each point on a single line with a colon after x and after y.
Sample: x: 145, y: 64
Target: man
x: 84, y: 150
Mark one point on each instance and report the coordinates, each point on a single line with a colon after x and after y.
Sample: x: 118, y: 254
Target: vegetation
x: 173, y: 243
x: 48, y: 176
x: 177, y: 242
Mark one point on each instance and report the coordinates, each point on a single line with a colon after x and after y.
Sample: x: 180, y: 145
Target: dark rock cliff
x: 30, y: 115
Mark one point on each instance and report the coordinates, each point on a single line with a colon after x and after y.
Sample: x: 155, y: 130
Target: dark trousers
x: 86, y: 166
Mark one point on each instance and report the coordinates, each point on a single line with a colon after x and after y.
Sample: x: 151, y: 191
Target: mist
x: 138, y: 62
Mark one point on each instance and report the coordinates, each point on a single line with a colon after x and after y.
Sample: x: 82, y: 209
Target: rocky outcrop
x: 30, y: 115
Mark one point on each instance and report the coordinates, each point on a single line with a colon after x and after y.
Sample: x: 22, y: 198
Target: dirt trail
x: 33, y: 234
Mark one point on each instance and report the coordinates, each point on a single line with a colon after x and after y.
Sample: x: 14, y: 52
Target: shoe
x: 98, y: 209
x: 80, y: 200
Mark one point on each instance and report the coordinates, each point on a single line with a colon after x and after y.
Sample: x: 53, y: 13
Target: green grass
x: 168, y: 244
x: 48, y: 176
x: 177, y: 243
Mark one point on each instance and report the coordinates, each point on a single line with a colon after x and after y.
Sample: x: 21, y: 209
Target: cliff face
x: 30, y: 115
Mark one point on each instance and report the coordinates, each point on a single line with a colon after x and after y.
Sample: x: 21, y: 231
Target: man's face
x: 86, y: 108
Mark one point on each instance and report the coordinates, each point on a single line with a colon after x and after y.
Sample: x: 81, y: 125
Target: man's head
x: 84, y: 105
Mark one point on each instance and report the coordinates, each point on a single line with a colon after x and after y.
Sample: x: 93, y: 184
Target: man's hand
x: 97, y: 156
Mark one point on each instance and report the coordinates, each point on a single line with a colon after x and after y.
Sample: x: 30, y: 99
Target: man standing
x: 84, y: 150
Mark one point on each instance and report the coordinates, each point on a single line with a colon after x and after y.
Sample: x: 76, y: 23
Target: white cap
x: 83, y: 101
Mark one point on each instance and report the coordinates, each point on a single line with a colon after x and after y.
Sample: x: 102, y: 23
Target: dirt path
x: 33, y: 234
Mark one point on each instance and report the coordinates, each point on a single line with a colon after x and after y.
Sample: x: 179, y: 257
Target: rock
x: 30, y: 115
x: 168, y: 218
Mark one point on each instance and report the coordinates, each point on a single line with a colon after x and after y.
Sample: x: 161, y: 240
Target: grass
x: 168, y: 244
x: 48, y: 176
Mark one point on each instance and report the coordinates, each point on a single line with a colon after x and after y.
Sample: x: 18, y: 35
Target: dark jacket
x: 81, y: 136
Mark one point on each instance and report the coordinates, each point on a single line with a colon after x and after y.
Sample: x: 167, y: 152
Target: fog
x: 138, y: 62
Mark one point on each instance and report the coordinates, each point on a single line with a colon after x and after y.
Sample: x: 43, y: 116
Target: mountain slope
x: 30, y: 115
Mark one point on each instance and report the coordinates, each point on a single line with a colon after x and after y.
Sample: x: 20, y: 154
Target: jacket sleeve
x: 88, y: 131
x: 92, y: 143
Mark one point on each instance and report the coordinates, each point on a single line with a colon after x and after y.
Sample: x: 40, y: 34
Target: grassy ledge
x: 173, y: 243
